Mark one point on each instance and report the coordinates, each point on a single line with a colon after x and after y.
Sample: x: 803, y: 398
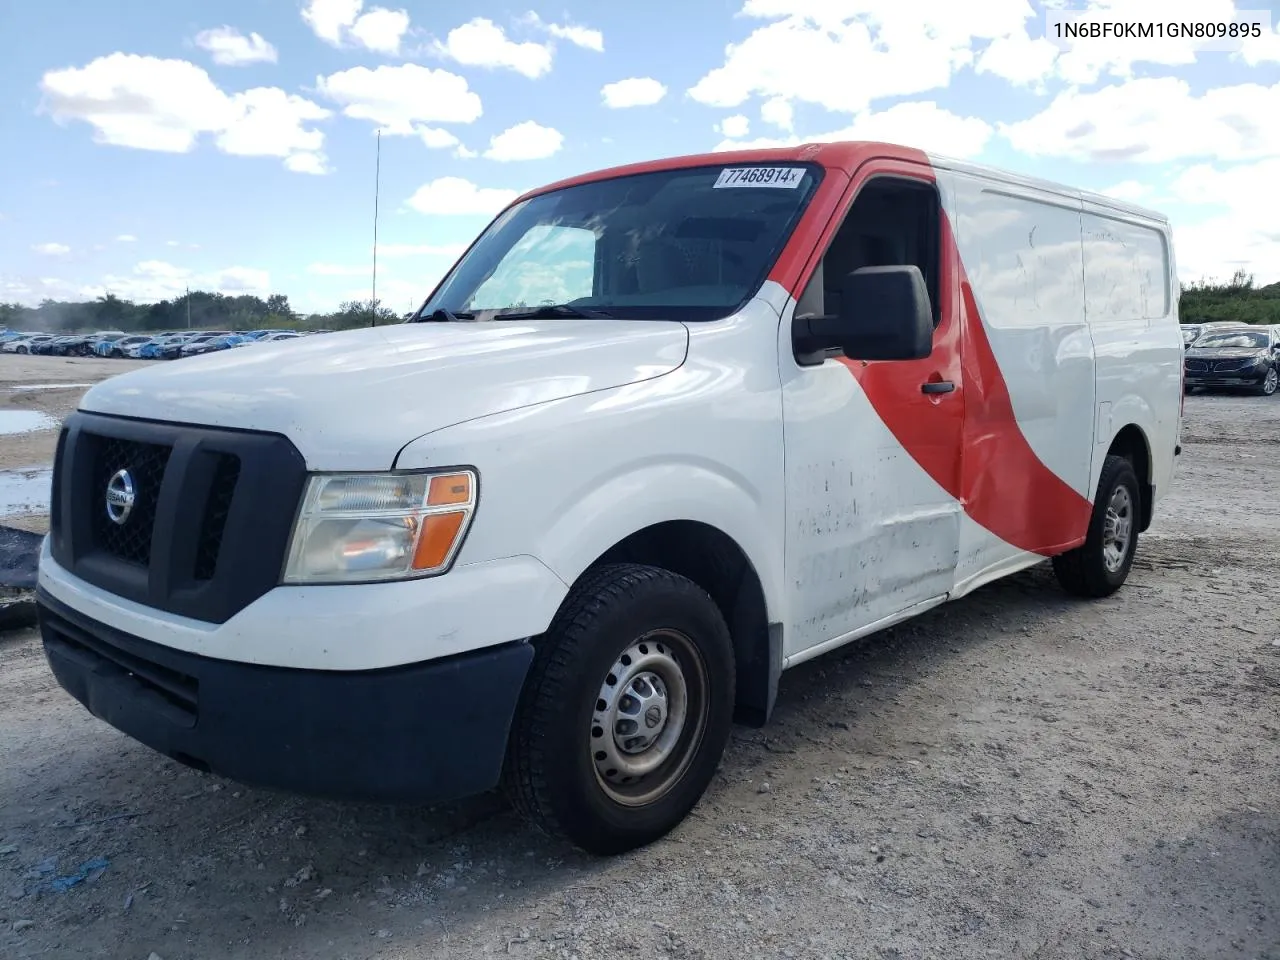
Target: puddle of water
x: 25, y: 491
x: 19, y: 387
x: 25, y: 421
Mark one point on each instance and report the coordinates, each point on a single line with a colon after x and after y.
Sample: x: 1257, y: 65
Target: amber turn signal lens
x: 450, y: 489
x: 439, y: 531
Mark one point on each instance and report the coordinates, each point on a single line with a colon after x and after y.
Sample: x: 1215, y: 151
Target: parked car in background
x: 68, y: 345
x: 193, y: 345
x: 165, y: 347
x: 124, y: 346
x: 22, y: 342
x: 1235, y: 357
x: 213, y: 344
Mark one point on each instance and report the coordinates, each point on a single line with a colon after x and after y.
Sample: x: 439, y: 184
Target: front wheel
x: 1269, y: 383
x: 1100, y: 566
x: 626, y: 711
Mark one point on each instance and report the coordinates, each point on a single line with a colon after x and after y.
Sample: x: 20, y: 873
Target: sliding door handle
x: 937, y: 386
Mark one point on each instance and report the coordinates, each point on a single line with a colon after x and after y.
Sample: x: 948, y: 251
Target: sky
x: 231, y: 145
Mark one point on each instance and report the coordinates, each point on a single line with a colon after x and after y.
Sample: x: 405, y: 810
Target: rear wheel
x: 1100, y: 566
x: 626, y: 711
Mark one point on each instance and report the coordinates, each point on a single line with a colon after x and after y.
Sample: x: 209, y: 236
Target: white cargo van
x: 663, y: 432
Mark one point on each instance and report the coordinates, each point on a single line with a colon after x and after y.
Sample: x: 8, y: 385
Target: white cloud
x: 1264, y: 49
x: 525, y: 141
x: 482, y: 43
x: 401, y: 99
x: 845, y: 54
x: 437, y: 139
x: 381, y: 30
x: 231, y: 48
x: 312, y: 163
x: 1242, y: 211
x: 52, y: 249
x: 173, y: 243
x: 166, y: 105
x: 330, y: 19
x: 580, y: 36
x: 778, y: 112
x: 269, y: 122
x: 920, y: 124
x: 1153, y: 120
x: 1130, y: 190
x: 454, y: 196
x: 126, y: 238
x: 735, y: 127
x: 632, y: 92
x: 1019, y: 58
x: 153, y: 280
x: 341, y: 23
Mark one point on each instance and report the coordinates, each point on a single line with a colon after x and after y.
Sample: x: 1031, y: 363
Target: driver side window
x: 892, y: 222
x: 550, y: 264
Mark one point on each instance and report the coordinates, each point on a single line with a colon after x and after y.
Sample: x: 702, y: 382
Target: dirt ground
x: 1015, y: 775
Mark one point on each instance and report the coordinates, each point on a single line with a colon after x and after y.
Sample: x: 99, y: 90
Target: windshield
x: 1242, y: 340
x: 689, y: 244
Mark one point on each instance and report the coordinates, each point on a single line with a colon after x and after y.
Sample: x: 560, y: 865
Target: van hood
x: 352, y: 400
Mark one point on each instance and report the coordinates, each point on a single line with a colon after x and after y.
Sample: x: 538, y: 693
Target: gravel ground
x: 1013, y: 775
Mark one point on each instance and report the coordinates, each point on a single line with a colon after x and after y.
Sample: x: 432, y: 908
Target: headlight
x: 358, y: 527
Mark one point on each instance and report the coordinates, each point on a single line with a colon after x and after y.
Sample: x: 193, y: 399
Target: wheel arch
x: 1132, y: 444
x: 715, y: 561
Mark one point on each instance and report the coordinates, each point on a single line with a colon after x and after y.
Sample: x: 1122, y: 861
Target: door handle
x: 937, y: 386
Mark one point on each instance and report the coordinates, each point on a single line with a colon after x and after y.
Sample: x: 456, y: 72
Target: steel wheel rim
x: 1271, y: 381
x: 649, y: 718
x: 1117, y: 529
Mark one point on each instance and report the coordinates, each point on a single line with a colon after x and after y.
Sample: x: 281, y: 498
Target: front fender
x: 566, y: 480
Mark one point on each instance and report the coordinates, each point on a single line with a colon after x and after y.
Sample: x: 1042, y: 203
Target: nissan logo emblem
x: 121, y: 496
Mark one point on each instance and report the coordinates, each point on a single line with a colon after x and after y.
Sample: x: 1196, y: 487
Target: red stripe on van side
x: 987, y: 465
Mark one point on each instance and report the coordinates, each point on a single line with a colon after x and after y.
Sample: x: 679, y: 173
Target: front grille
x: 1226, y: 366
x: 130, y: 538
x: 1197, y: 366
x: 216, y: 509
x: 210, y: 519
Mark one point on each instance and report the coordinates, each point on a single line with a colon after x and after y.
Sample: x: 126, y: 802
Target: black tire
x: 22, y: 350
x: 552, y: 776
x: 1268, y: 387
x: 1086, y: 570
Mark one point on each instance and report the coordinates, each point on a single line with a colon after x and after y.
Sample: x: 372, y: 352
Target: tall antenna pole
x: 377, y: 183
x: 188, y: 298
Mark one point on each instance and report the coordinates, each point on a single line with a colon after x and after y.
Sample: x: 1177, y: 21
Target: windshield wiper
x: 441, y: 315
x: 552, y: 311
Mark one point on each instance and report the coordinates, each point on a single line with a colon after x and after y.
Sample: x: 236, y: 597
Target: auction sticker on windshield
x: 788, y: 178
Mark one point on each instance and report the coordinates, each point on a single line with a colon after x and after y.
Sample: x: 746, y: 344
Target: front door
x: 872, y: 448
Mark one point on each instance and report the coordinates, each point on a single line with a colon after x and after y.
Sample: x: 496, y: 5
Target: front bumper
x: 1242, y: 378
x: 422, y: 733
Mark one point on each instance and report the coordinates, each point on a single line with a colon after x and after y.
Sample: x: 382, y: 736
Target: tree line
x: 197, y: 310
x: 1238, y: 299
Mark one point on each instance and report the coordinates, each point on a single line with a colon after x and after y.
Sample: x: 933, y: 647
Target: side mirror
x: 885, y: 314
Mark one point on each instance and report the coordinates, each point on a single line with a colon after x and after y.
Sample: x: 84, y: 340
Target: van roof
x: 848, y: 155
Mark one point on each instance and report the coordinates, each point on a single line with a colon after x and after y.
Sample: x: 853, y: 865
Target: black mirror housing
x: 886, y: 314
